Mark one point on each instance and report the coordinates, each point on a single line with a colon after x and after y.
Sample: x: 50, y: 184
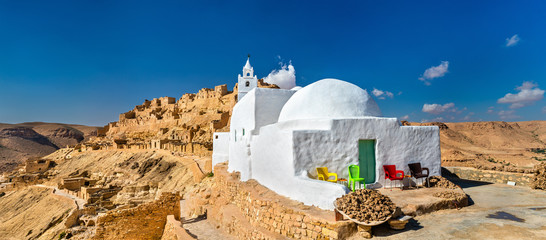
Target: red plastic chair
x: 392, y: 174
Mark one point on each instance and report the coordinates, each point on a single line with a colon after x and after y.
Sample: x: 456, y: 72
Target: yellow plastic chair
x: 324, y: 175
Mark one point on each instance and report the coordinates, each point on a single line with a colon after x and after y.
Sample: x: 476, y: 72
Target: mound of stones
x: 366, y: 205
x: 539, y: 180
x: 449, y: 195
x: 441, y: 182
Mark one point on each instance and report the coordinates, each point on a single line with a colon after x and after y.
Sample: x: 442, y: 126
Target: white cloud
x: 491, y: 110
x: 468, y: 116
x: 507, y: 114
x: 438, y: 108
x: 406, y: 117
x: 285, y: 77
x: 437, y: 119
x: 512, y: 41
x: 544, y: 110
x: 434, y: 72
x: 527, y: 95
x: 382, y: 94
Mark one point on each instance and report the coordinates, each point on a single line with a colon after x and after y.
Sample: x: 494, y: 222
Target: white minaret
x: 248, y: 81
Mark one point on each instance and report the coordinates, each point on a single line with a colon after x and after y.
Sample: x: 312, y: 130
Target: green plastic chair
x: 354, y: 173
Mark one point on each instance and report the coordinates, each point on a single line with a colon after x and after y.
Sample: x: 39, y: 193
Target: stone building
x: 37, y: 165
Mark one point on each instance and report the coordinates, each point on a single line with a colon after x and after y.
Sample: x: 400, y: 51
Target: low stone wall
x: 145, y: 221
x: 174, y: 230
x: 521, y: 179
x: 248, y: 210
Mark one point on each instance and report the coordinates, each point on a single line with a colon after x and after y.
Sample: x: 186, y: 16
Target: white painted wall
x: 220, y: 147
x: 338, y: 147
x: 273, y: 166
x: 269, y: 103
x: 242, y: 117
x: 260, y: 107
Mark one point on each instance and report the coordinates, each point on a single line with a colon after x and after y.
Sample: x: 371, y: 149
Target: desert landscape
x: 19, y: 142
x: 164, y: 146
x: 262, y: 120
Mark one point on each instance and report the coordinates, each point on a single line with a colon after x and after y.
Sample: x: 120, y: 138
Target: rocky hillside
x: 492, y: 144
x: 33, y: 213
x: 183, y: 125
x: 36, y: 139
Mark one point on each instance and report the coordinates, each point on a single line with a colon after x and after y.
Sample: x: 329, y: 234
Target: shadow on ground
x: 194, y: 220
x: 384, y: 230
x: 464, y: 183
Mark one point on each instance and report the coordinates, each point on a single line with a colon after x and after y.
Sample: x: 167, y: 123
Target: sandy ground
x: 201, y: 228
x: 497, y: 212
x: 33, y: 213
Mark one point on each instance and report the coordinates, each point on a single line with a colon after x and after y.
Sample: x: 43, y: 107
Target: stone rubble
x: 441, y: 182
x: 539, y: 180
x: 366, y: 205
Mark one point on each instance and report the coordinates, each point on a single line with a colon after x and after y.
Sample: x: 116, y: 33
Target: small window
x: 247, y: 74
x: 243, y: 131
x: 216, y: 137
x: 247, y: 84
x: 235, y: 134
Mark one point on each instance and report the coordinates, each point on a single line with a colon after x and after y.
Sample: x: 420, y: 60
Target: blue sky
x: 87, y: 61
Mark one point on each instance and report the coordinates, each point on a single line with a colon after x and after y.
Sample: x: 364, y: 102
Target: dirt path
x: 201, y: 228
x: 79, y: 202
x: 497, y: 212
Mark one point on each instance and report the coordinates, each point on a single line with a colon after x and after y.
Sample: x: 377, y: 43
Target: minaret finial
x: 249, y: 55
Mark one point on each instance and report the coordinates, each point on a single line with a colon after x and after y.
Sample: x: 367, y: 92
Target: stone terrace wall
x: 248, y: 210
x: 174, y: 230
x: 521, y: 179
x: 146, y: 221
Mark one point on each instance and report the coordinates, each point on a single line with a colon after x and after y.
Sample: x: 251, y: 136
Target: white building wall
x: 220, y: 147
x: 269, y: 103
x: 273, y: 166
x: 338, y: 147
x: 243, y: 117
x: 261, y: 107
x: 242, y: 89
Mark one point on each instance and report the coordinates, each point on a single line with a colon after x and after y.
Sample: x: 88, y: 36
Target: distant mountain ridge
x: 492, y: 143
x: 36, y: 139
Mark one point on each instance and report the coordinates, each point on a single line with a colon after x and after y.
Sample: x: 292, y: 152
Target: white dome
x: 329, y: 98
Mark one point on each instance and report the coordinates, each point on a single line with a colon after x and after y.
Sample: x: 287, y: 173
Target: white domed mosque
x: 279, y: 137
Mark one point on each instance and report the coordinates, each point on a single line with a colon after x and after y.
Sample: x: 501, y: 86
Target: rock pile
x: 366, y: 205
x: 441, y: 182
x: 539, y: 181
x: 449, y: 195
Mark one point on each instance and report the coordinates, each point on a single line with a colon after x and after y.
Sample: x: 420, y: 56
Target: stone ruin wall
x: 521, y: 179
x: 145, y: 221
x: 184, y: 125
x: 238, y: 210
